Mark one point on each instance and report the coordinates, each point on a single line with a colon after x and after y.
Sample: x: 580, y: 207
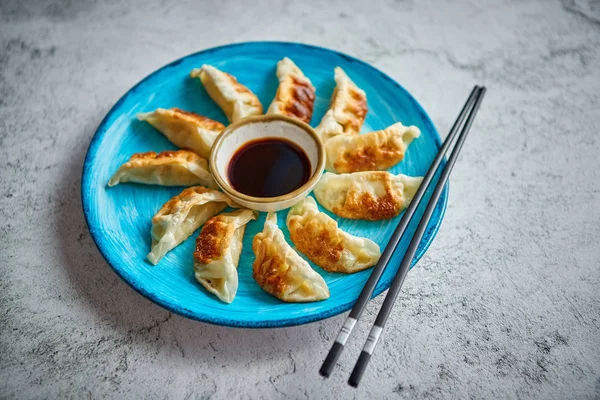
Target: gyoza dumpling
x: 371, y: 195
x: 347, y: 110
x: 317, y: 236
x: 349, y: 103
x: 296, y: 95
x: 373, y: 151
x: 235, y: 99
x: 218, y: 249
x: 185, y: 129
x: 280, y: 271
x: 179, y: 217
x: 168, y: 168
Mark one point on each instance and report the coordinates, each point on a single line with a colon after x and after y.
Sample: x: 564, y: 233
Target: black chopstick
x: 366, y: 293
x: 392, y: 294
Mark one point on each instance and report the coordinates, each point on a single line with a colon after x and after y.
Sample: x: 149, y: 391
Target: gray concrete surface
x: 506, y: 303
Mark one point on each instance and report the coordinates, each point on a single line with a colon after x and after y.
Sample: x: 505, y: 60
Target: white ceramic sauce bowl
x: 249, y: 129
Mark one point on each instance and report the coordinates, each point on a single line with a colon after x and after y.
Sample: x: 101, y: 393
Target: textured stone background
x: 506, y: 303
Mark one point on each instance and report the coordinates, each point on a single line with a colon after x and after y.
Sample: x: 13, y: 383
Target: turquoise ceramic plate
x: 119, y: 217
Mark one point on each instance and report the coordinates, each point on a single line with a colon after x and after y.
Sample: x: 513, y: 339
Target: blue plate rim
x: 114, y: 264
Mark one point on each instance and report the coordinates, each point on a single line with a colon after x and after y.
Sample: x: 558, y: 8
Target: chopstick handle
x: 367, y: 291
x: 394, y: 290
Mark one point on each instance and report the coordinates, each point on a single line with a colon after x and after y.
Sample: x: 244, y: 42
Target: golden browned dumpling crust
x: 369, y: 195
x: 347, y: 109
x: 349, y: 103
x: 197, y: 119
x: 317, y: 236
x: 213, y: 239
x: 218, y: 249
x: 373, y: 151
x: 280, y: 271
x: 295, y: 96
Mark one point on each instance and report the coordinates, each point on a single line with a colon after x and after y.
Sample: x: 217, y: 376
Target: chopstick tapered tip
x: 331, y: 359
x: 359, y: 369
x: 325, y: 370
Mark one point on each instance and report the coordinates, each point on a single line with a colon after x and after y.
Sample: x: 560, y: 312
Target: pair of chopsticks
x: 469, y: 111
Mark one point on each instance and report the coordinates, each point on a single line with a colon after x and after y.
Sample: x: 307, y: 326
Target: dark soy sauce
x: 268, y: 167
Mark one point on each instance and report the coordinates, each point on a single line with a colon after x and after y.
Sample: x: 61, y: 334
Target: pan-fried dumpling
x: 235, y: 99
x: 296, y: 95
x: 349, y: 103
x: 280, y: 271
x: 179, y: 217
x: 347, y: 110
x: 185, y: 129
x: 168, y: 168
x: 370, y: 195
x: 218, y: 249
x: 373, y: 151
x: 317, y: 236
